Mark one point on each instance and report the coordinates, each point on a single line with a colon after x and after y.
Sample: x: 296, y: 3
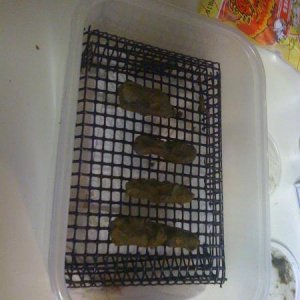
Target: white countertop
x: 34, y: 52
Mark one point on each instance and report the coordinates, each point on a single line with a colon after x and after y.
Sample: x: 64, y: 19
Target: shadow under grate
x: 103, y: 161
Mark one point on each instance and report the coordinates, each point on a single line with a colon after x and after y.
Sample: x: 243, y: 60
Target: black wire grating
x: 103, y: 161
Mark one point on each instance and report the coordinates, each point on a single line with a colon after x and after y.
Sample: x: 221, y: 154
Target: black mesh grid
x: 103, y: 161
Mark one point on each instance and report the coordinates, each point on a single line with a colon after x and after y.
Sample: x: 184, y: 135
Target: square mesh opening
x: 103, y: 161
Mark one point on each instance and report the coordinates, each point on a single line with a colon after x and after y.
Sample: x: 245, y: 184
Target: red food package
x: 273, y: 24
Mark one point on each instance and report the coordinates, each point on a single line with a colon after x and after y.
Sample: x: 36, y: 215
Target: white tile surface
x: 34, y: 44
x: 23, y: 273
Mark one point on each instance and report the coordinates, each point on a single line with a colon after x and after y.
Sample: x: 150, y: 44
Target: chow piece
x: 144, y: 233
x: 145, y: 101
x: 201, y: 107
x: 174, y: 151
x: 158, y: 191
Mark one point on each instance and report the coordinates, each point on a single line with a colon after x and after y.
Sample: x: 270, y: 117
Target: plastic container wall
x: 246, y: 211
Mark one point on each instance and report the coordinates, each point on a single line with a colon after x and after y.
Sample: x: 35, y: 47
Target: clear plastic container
x: 246, y: 206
